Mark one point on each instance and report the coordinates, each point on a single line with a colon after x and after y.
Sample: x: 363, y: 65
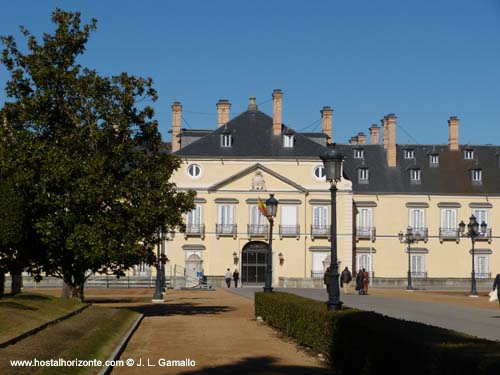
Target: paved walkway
x: 451, y: 310
x: 217, y: 330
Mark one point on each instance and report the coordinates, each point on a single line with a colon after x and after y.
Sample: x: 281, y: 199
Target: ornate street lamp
x: 158, y: 294
x: 474, y: 230
x: 332, y: 161
x: 271, y: 209
x: 408, y: 238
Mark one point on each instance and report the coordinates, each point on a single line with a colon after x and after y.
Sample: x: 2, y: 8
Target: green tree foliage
x: 87, y: 152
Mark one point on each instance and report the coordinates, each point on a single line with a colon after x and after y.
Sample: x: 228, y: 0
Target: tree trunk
x: 72, y: 290
x: 17, y: 282
x: 2, y: 283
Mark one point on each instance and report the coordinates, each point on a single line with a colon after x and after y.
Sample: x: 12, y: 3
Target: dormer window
x: 415, y: 176
x: 409, y: 154
x: 226, y: 139
x: 363, y: 175
x: 287, y: 140
x: 359, y: 153
x: 433, y: 160
x: 477, y: 176
x: 468, y: 154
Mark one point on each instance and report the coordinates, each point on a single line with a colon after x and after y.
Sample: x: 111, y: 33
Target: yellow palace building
x: 386, y: 187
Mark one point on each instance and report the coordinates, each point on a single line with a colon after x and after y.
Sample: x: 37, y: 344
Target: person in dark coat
x: 359, y: 281
x: 236, y: 277
x: 326, y: 278
x: 345, y: 279
x: 496, y: 285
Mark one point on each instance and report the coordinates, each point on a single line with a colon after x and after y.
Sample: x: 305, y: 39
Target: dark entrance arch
x: 253, y: 262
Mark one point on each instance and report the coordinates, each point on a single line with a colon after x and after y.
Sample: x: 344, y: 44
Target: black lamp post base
x: 268, y: 289
x: 334, y: 305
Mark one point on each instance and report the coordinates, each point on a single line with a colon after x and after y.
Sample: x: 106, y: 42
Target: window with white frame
x: 433, y: 160
x: 481, y: 214
x: 193, y: 220
x: 468, y: 154
x: 363, y: 175
x: 364, y: 221
x: 418, y: 265
x: 320, y: 220
x: 476, y: 176
x: 449, y: 221
x: 289, y: 215
x: 417, y: 220
x: 257, y: 220
x: 288, y: 140
x: 194, y: 170
x: 319, y: 172
x: 226, y: 140
x: 415, y: 176
x: 225, y: 220
x: 409, y: 154
x: 481, y: 266
x: 318, y: 259
x: 364, y: 260
x: 359, y: 153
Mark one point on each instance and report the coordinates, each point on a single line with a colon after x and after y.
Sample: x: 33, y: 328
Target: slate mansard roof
x: 253, y: 138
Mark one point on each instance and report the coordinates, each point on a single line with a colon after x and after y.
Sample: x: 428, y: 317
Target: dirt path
x: 215, y: 329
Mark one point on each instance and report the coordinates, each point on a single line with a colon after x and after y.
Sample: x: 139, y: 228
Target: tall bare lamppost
x: 158, y: 294
x: 271, y: 210
x: 332, y: 161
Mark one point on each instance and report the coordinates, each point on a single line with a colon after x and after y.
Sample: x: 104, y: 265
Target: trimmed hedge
x: 363, y: 342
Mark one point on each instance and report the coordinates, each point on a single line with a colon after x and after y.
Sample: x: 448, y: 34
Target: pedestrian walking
x: 359, y: 281
x: 366, y: 281
x: 228, y: 278
x: 326, y: 278
x: 496, y: 285
x: 236, y: 277
x: 345, y: 279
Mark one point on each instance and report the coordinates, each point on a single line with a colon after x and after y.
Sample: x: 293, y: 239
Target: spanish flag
x: 262, y: 207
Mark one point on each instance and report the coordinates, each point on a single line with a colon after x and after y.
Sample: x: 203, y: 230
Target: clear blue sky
x: 422, y: 60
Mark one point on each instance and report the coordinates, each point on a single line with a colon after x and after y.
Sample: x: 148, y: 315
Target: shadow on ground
x: 178, y: 309
x: 261, y: 366
x: 116, y: 300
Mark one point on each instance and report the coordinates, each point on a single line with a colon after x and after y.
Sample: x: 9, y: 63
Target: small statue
x: 258, y: 182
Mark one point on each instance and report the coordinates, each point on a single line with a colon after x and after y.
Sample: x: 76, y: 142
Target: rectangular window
x: 481, y: 215
x: 417, y: 220
x: 318, y: 265
x: 415, y: 175
x: 365, y: 261
x: 288, y: 140
x: 433, y: 160
x: 320, y: 220
x: 417, y: 266
x: 364, y: 222
x: 289, y: 219
x: 226, y: 140
x: 469, y: 154
x: 359, y: 154
x: 363, y: 175
x: 226, y: 218
x: 476, y: 175
x: 193, y: 220
x: 409, y: 154
x: 449, y: 221
x: 481, y: 266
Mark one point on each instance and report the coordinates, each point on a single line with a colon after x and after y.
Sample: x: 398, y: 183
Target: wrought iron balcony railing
x: 487, y: 236
x: 289, y: 231
x: 320, y: 231
x: 257, y: 230
x: 419, y: 274
x: 448, y: 234
x: 421, y: 234
x: 365, y: 233
x: 195, y: 230
x: 228, y: 230
x: 482, y: 275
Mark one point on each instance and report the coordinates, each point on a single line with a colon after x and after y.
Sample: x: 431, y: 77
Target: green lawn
x: 25, y: 311
x: 92, y: 334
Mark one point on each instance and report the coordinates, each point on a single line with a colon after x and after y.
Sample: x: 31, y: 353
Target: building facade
x: 386, y: 187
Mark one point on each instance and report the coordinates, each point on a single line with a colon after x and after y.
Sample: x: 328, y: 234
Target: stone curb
x: 106, y: 370
x: 43, y: 326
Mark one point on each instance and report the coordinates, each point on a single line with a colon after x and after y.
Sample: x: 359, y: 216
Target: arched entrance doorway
x: 193, y: 270
x: 253, y: 262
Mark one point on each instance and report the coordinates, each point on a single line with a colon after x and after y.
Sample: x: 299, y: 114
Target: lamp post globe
x: 332, y: 162
x: 271, y: 209
x: 474, y: 230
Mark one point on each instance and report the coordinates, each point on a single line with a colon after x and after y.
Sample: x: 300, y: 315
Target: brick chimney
x: 277, y: 111
x: 374, y: 134
x: 362, y: 138
x: 223, y: 107
x: 326, y: 122
x: 176, y: 125
x: 391, y: 140
x: 384, y: 131
x: 453, y: 123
